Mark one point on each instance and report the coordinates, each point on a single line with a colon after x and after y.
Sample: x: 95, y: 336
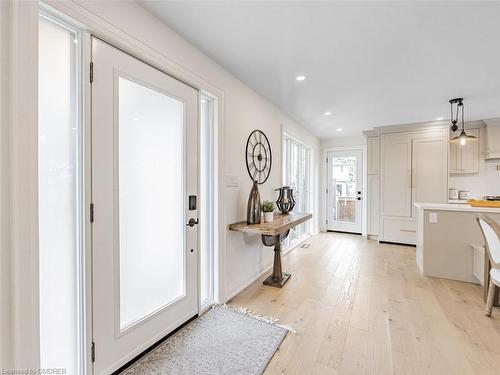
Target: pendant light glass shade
x: 463, y: 138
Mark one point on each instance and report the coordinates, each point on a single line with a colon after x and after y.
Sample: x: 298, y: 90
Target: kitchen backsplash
x: 486, y: 182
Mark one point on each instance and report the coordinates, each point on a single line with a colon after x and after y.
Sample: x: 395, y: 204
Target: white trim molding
x: 5, y: 274
x: 21, y: 166
x: 324, y: 173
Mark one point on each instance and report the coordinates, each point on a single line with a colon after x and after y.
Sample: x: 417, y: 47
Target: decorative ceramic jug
x: 253, y: 207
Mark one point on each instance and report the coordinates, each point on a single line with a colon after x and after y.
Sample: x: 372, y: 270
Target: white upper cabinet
x: 465, y: 159
x: 395, y: 181
x: 429, y: 169
x: 373, y: 144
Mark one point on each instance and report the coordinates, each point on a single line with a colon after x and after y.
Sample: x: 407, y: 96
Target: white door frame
x: 324, y: 183
x: 93, y: 25
x: 23, y: 25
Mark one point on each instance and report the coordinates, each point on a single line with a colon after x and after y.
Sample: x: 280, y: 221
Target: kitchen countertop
x: 456, y: 207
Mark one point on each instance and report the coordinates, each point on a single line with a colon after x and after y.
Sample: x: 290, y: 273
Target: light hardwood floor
x: 360, y: 307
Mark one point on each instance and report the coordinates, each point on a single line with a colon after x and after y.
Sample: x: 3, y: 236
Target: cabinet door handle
x: 408, y: 230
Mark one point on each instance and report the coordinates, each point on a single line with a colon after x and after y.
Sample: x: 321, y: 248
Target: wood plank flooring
x: 360, y: 307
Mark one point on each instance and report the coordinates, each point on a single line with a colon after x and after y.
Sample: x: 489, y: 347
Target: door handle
x: 192, y: 222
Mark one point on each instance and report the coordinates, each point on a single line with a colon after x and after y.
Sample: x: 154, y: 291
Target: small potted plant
x: 268, y: 209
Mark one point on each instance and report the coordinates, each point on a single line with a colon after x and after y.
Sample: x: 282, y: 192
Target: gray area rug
x: 223, y: 341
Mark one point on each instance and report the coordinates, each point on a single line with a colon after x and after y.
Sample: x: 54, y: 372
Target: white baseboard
x: 247, y: 283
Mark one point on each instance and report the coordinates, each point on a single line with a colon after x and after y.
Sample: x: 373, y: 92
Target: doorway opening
x: 344, y: 191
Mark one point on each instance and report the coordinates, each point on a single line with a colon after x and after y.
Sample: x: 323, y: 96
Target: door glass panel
x: 345, y: 188
x: 151, y: 196
x: 207, y: 117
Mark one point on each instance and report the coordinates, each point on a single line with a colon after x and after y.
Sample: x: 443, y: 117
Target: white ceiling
x: 369, y: 63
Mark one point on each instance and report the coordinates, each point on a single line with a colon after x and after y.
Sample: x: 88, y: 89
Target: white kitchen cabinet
x: 465, y: 159
x: 478, y: 263
x: 399, y: 230
x: 395, y: 176
x: 373, y: 145
x: 373, y: 185
x: 413, y: 168
x: 429, y: 169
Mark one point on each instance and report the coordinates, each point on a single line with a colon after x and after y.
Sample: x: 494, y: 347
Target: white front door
x: 144, y: 168
x: 345, y: 191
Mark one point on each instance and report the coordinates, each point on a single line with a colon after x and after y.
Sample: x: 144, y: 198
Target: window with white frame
x: 60, y: 196
x: 208, y: 118
x: 297, y: 175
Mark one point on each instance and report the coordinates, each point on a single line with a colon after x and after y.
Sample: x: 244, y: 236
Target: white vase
x: 268, y: 217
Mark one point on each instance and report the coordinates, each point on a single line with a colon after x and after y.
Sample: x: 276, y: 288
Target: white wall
x: 5, y: 314
x: 332, y: 143
x: 486, y: 182
x: 358, y: 140
x: 18, y: 185
x: 130, y: 27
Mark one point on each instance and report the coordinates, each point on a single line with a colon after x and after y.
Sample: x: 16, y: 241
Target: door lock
x: 192, y: 222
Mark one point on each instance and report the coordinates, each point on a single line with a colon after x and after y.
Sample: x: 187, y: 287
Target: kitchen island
x: 447, y: 236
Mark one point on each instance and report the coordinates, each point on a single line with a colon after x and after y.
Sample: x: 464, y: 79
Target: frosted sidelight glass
x: 207, y: 119
x: 151, y: 195
x: 59, y: 198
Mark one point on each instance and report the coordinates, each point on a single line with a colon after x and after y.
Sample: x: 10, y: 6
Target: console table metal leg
x: 278, y: 277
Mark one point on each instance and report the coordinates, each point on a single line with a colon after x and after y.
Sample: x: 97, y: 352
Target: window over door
x: 297, y: 175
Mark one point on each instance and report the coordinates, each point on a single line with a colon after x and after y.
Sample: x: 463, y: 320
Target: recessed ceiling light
x: 136, y: 119
x: 328, y: 113
x: 339, y: 129
x: 440, y: 119
x: 300, y: 78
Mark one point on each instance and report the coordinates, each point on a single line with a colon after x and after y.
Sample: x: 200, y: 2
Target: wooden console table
x: 272, y: 235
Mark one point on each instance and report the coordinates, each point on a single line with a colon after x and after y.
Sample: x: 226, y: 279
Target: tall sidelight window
x: 60, y: 197
x: 297, y: 175
x: 208, y: 118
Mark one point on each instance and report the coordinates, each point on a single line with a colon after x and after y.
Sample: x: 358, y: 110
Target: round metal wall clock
x: 258, y: 156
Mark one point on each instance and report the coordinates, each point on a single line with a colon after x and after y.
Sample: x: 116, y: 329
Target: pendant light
x: 463, y: 137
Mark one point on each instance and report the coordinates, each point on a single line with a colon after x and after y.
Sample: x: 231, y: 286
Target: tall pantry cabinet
x: 413, y: 168
x: 373, y: 185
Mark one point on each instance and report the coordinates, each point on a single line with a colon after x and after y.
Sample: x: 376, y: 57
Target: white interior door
x: 345, y: 191
x: 144, y: 167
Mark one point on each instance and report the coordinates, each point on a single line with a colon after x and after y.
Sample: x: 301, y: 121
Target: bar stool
x: 491, y: 234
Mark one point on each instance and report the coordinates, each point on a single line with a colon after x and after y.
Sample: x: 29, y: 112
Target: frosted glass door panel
x: 151, y: 196
x: 59, y: 200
